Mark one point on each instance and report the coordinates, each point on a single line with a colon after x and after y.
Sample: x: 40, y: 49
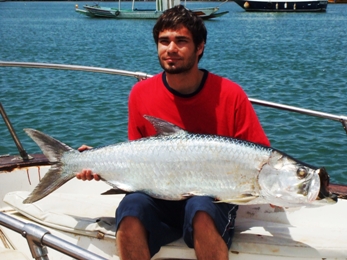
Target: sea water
x: 298, y: 59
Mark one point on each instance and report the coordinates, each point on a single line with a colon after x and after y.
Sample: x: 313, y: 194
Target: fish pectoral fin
x: 119, y: 188
x: 192, y: 194
x: 243, y: 199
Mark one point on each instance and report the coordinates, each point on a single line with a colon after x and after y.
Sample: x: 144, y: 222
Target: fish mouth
x: 324, y: 193
x: 309, y: 188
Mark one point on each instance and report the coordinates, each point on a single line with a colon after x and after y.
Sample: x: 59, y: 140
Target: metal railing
x: 38, y: 238
x: 141, y: 75
x: 138, y: 75
x: 339, y: 118
x: 23, y: 154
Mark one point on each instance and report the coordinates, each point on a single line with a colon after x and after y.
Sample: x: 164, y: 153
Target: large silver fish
x: 175, y: 165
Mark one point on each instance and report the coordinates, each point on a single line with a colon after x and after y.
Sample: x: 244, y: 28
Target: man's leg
x: 145, y: 224
x: 208, y: 243
x: 209, y: 227
x: 131, y: 240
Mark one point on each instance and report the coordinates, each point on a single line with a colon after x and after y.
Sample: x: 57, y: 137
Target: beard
x: 174, y: 68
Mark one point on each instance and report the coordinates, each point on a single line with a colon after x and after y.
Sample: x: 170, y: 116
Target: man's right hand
x: 87, y: 174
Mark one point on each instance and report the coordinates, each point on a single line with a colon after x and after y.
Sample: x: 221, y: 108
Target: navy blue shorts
x: 167, y: 221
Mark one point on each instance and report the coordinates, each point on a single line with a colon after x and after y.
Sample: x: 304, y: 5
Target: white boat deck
x: 260, y: 230
x: 77, y: 213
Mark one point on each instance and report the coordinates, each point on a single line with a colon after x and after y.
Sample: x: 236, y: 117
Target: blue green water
x: 299, y: 59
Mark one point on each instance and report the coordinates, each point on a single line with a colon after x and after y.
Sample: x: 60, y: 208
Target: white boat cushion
x: 82, y: 214
x: 10, y: 254
x: 262, y: 230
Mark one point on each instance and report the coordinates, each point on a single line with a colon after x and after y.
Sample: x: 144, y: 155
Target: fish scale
x: 176, y: 165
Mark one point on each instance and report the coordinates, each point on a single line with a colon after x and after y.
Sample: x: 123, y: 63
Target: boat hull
x: 337, y: 1
x: 108, y: 12
x: 283, y: 6
x: 261, y: 231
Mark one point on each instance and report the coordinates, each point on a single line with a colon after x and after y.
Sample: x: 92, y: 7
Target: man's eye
x: 164, y: 42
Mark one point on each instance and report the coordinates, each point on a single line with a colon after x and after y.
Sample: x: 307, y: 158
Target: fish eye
x: 301, y: 172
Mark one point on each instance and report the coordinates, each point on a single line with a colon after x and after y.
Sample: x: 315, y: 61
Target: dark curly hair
x: 178, y: 16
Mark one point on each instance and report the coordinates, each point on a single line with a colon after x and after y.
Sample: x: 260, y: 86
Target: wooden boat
x: 134, y: 13
x: 283, y: 5
x: 76, y: 221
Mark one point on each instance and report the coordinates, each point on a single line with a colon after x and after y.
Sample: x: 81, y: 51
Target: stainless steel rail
x: 38, y: 238
x: 23, y: 154
x: 140, y: 76
x: 309, y: 112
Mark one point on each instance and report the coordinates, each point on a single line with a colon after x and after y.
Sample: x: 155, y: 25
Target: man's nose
x: 172, y: 47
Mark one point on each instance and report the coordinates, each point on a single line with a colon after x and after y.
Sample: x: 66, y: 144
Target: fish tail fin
x: 55, y: 177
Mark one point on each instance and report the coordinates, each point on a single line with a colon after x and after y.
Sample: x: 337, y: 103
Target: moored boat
x: 337, y: 1
x: 283, y: 5
x: 82, y: 220
x: 135, y: 13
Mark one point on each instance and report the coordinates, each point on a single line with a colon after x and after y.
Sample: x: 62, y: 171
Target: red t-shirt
x: 219, y: 107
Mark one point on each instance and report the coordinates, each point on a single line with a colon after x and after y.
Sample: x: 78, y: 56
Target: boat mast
x: 159, y: 5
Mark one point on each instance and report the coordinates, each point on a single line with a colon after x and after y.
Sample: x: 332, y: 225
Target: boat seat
x: 10, y: 254
x: 261, y: 230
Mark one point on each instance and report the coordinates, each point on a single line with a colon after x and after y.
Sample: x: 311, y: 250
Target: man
x: 199, y: 102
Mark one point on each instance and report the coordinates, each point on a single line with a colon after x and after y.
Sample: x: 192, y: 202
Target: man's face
x: 176, y: 50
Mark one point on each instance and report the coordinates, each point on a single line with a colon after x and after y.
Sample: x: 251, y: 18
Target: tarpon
x: 176, y: 164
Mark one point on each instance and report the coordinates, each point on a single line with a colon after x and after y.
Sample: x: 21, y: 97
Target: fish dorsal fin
x: 163, y: 127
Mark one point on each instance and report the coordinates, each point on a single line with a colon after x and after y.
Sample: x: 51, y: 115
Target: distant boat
x: 283, y: 5
x: 337, y: 1
x: 134, y: 13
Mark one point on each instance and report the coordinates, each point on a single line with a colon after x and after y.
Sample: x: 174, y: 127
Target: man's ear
x: 201, y: 47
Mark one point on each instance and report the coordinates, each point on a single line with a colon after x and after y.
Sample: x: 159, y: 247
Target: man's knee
x: 131, y: 208
x: 134, y: 202
x: 131, y: 225
x: 198, y: 204
x: 135, y: 198
x: 202, y: 220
